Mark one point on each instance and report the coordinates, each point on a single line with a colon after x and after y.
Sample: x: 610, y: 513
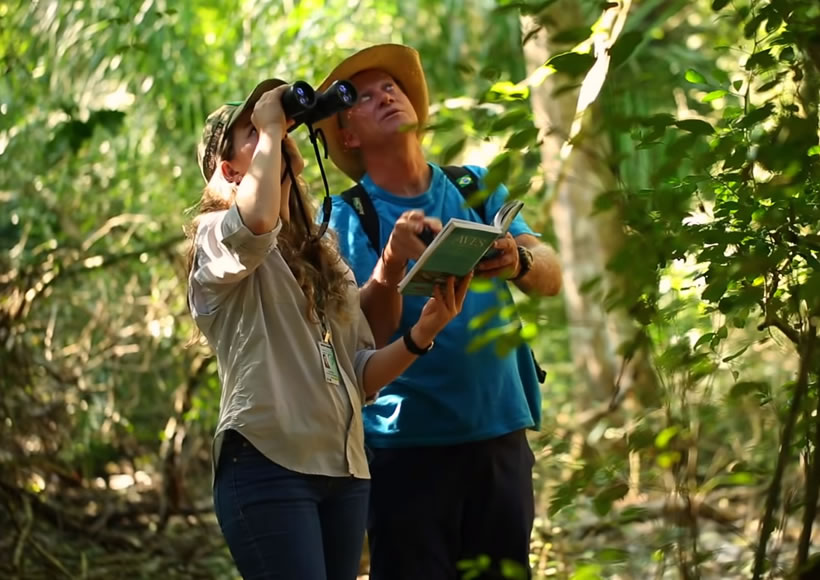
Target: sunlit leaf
x: 668, y: 459
x: 509, y: 91
x: 664, y: 437
x: 695, y: 77
x: 714, y: 95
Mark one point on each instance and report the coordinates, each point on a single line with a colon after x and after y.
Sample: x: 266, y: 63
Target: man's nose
x: 386, y: 98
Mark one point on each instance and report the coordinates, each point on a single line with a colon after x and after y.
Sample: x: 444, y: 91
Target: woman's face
x: 244, y: 138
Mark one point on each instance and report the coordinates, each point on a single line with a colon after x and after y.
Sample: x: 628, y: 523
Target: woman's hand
x: 444, y: 305
x: 268, y: 113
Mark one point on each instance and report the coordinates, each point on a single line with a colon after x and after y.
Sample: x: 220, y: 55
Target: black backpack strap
x: 468, y: 183
x: 358, y: 198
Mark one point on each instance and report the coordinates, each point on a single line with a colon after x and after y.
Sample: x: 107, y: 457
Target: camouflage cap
x: 220, y: 122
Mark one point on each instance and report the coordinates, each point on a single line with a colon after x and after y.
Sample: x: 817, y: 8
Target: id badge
x: 329, y: 365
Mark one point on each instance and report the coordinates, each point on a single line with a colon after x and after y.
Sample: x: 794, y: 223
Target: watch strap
x: 411, y: 345
x: 524, y: 262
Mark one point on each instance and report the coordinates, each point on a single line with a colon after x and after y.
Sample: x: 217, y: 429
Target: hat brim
x: 253, y: 97
x: 400, y: 62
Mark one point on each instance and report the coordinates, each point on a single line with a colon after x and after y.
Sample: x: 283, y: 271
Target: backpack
x: 467, y: 183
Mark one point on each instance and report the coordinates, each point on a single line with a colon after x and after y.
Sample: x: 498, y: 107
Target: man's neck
x: 399, y: 167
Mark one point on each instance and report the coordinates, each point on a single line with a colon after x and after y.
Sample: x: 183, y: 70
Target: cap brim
x: 400, y: 62
x: 256, y: 94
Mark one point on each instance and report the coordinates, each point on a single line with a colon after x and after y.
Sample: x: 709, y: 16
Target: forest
x: 669, y: 150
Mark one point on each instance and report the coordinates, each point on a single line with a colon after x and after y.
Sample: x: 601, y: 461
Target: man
x: 451, y: 466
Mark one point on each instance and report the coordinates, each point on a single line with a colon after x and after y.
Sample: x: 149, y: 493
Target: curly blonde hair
x: 315, y: 262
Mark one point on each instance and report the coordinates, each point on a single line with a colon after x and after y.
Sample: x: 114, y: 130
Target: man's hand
x: 505, y: 264
x: 404, y: 243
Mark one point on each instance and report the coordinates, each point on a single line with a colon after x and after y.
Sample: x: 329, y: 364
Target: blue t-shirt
x: 449, y: 395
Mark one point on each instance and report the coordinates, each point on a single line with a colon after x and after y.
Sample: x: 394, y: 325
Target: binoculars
x: 304, y: 105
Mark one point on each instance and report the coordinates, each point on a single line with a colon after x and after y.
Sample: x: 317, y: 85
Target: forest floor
x: 100, y: 534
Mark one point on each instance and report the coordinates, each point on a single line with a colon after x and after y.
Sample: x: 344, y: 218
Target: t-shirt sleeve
x: 494, y: 202
x: 353, y: 243
x: 226, y: 251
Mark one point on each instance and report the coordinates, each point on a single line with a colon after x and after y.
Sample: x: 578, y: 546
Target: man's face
x: 382, y: 110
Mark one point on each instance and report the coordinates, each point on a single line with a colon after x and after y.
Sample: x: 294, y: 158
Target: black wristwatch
x: 411, y: 345
x: 524, y: 262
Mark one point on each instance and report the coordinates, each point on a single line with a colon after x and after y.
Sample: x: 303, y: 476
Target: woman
x: 295, y: 354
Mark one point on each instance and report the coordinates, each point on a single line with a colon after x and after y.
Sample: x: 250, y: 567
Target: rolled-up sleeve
x: 226, y: 252
x: 365, y: 348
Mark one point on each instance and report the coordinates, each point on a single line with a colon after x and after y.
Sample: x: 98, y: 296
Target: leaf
x: 525, y: 138
x: 814, y: 151
x: 664, y: 437
x: 717, y: 5
x: 587, y: 572
x: 573, y: 35
x: 509, y: 119
x: 508, y: 91
x: 571, y: 63
x: 695, y: 77
x: 760, y: 60
x: 604, y: 500
x: 452, y: 150
x: 668, y: 459
x: 756, y: 116
x: 740, y: 478
x: 562, y: 497
x: 624, y: 47
x: 714, y: 95
x: 743, y: 388
x: 715, y: 290
x: 768, y: 86
x: 695, y: 126
x: 633, y: 514
x: 704, y: 339
x: 732, y: 357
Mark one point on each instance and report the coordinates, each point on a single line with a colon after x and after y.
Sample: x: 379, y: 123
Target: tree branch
x: 772, y: 498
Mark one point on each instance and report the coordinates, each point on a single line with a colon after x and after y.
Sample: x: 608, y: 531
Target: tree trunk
x: 586, y: 242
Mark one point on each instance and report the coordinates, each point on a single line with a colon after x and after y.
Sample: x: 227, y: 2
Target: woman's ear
x: 229, y: 173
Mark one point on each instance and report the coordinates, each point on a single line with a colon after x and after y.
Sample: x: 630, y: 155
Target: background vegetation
x: 667, y: 148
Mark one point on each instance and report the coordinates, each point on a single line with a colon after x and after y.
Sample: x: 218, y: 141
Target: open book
x: 456, y: 250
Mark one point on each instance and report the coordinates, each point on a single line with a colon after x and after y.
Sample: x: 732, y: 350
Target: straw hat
x: 400, y: 62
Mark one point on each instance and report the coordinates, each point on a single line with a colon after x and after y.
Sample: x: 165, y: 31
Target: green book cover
x: 455, y: 251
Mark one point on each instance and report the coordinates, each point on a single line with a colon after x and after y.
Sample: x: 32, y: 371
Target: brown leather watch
x: 525, y: 259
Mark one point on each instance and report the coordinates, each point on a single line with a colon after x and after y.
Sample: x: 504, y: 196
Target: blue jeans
x: 280, y: 524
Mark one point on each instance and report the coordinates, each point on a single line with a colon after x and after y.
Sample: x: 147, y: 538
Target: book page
x: 506, y: 214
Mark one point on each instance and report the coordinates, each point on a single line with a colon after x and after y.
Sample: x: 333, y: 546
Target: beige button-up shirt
x: 248, y: 305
